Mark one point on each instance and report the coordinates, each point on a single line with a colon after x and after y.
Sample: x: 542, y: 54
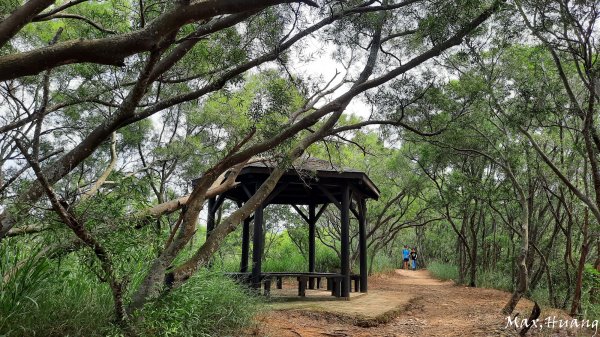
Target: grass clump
x: 64, y: 298
x: 381, y: 264
x: 52, y: 299
x: 494, y: 279
x: 443, y: 271
x: 208, y: 304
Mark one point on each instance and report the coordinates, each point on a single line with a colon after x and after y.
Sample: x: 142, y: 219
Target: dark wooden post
x: 345, y: 238
x: 362, y: 244
x: 312, y: 219
x: 210, y: 219
x: 245, y: 245
x: 257, y: 247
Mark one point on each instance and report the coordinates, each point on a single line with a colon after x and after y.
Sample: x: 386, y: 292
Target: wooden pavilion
x: 315, y: 183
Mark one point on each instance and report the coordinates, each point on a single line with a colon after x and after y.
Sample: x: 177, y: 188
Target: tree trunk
x: 576, y: 305
x: 522, y: 276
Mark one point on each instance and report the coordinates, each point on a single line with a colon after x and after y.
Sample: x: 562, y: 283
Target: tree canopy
x: 477, y: 119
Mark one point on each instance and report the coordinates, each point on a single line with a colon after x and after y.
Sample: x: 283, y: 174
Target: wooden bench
x: 334, y: 281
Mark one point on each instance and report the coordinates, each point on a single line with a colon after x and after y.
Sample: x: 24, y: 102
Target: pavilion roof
x: 304, y: 182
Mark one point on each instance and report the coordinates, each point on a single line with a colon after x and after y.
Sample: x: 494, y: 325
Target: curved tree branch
x: 114, y: 50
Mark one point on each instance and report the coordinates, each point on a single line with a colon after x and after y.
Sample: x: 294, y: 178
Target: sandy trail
x: 431, y: 308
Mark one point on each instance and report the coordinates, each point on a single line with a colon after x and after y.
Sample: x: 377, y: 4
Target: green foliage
x: 67, y: 301
x: 209, y: 304
x: 21, y: 280
x: 382, y: 264
x: 591, y: 292
x: 496, y: 87
x: 285, y: 256
x: 326, y: 259
x: 495, y: 279
x: 443, y: 271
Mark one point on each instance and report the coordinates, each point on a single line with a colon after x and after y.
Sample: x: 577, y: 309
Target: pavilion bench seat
x: 334, y: 281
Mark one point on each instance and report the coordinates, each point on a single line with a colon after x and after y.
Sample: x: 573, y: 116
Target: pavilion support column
x: 245, y: 245
x: 312, y: 220
x: 210, y: 219
x: 257, y: 247
x: 345, y: 238
x: 362, y: 244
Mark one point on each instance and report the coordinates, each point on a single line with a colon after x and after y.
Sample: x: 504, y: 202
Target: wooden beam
x: 299, y: 211
x: 330, y: 196
x: 354, y: 211
x: 320, y: 212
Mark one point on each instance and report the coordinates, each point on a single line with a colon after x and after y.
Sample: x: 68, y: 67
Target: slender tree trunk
x: 522, y: 276
x: 462, y: 270
x: 576, y: 304
x: 473, y: 252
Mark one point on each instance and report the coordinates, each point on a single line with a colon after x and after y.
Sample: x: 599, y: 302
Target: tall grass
x: 65, y: 298
x: 485, y: 279
x: 382, y: 264
x: 21, y: 276
x: 66, y: 302
x: 443, y: 271
x: 209, y: 304
x: 494, y: 279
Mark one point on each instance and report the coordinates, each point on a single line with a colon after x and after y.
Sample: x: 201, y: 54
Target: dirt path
x: 434, y: 308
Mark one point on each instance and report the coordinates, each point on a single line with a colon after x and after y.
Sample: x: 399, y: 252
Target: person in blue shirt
x: 405, y: 257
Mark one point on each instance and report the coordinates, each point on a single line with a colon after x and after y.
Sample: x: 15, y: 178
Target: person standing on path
x: 405, y: 257
x: 413, y: 257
